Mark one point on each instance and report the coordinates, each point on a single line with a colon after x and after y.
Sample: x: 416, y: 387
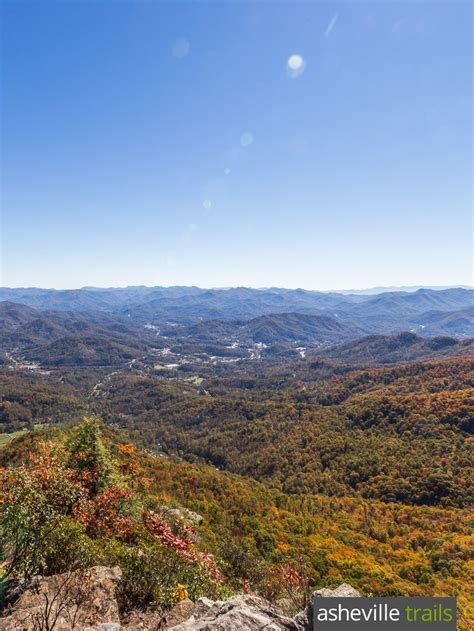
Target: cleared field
x: 6, y: 438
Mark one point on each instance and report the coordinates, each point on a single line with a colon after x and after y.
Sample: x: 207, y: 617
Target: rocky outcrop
x: 182, y: 514
x: 154, y: 620
x: 239, y: 612
x: 85, y: 601
x: 82, y: 600
x: 343, y: 591
x: 304, y: 619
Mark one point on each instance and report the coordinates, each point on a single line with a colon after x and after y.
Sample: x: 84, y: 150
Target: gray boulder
x: 343, y: 591
x: 304, y: 619
x: 243, y: 612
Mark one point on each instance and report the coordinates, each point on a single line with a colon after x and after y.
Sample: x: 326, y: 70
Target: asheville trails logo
x: 377, y: 614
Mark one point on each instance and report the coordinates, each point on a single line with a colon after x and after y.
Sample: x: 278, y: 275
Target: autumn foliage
x: 72, y: 505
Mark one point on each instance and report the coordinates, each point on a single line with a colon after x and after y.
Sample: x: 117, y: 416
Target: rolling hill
x: 391, y: 349
x: 268, y: 329
x: 67, y: 337
x: 459, y: 323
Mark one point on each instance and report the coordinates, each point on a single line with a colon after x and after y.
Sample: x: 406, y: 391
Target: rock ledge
x: 85, y: 601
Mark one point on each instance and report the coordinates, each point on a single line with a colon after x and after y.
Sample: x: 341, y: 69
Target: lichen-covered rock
x: 343, y: 591
x: 304, y: 619
x: 82, y: 600
x: 180, y: 612
x: 185, y: 515
x: 243, y: 612
x: 142, y: 620
x: 154, y: 620
x: 203, y: 605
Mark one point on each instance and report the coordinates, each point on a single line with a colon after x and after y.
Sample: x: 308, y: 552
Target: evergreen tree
x: 91, y: 458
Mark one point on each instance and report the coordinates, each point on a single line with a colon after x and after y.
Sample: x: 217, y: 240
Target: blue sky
x: 172, y: 143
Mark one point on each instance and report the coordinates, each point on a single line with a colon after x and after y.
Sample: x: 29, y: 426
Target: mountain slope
x: 87, y: 350
x: 268, y: 329
x: 69, y: 337
x: 297, y: 327
x: 255, y: 532
x: 459, y: 323
x: 310, y: 426
x: 391, y: 349
x: 395, y: 312
x: 13, y: 315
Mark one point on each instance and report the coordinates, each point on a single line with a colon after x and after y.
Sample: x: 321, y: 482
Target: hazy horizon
x: 377, y: 289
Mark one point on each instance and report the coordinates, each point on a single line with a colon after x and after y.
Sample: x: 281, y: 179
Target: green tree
x: 91, y: 458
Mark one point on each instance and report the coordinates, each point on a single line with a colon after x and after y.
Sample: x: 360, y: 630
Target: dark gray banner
x: 384, y: 614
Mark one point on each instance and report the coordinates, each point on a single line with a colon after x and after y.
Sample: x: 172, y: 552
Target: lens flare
x: 295, y: 66
x: 246, y: 139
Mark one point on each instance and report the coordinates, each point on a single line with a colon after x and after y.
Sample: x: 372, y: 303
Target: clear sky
x: 298, y: 144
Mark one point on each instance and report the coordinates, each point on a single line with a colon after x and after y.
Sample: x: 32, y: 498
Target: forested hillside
x: 394, y: 434
x: 399, y: 433
x: 109, y: 503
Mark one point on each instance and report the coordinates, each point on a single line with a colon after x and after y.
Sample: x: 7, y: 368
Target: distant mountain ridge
x: 94, y: 325
x: 371, y: 291
x: 188, y: 305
